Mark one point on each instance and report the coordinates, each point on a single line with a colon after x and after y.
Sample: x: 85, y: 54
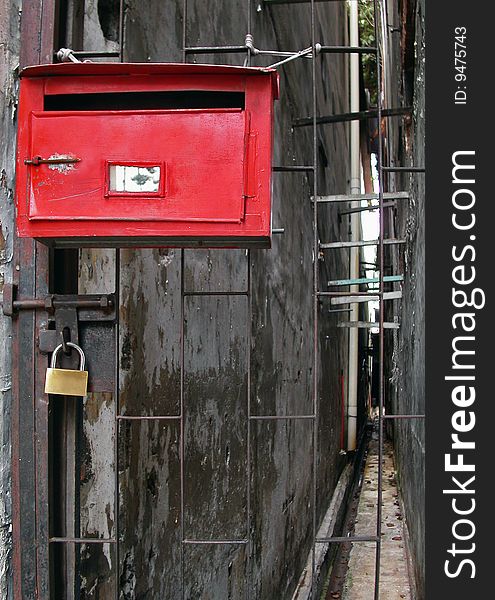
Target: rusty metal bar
x: 215, y: 293
x: 51, y: 304
x: 330, y: 294
x: 249, y: 318
x: 215, y: 49
x: 403, y: 169
x: 366, y: 280
x: 275, y: 2
x: 117, y: 357
x: 121, y: 30
x: 216, y: 542
x: 78, y: 540
x: 182, y: 427
x: 347, y: 50
x: 360, y: 243
x: 182, y: 359
x: 361, y: 115
x: 381, y: 337
x: 361, y: 197
x: 148, y: 418
x: 403, y: 416
x: 343, y: 539
x: 117, y: 421
x: 292, y: 168
x: 366, y: 209
x: 249, y: 416
x: 280, y: 417
x: 315, y: 305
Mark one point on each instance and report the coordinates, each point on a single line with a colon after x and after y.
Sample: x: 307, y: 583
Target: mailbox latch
x: 58, y: 160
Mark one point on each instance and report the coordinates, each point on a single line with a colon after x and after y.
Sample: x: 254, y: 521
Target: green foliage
x: 367, y: 38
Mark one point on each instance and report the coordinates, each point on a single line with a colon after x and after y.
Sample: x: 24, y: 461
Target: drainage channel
x: 352, y: 575
x: 337, y: 575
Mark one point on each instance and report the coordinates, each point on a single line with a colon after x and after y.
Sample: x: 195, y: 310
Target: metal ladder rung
x: 361, y: 115
x: 351, y: 211
x: 360, y: 243
x: 403, y: 417
x: 365, y: 197
x: 215, y: 49
x: 274, y: 2
x: 292, y: 168
x: 347, y: 50
x: 352, y: 299
x: 403, y: 169
x: 365, y: 280
x: 368, y: 324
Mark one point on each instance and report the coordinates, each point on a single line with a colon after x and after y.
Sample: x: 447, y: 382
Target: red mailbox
x: 116, y: 154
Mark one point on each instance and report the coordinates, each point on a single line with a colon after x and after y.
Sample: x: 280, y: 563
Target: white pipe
x: 353, y: 371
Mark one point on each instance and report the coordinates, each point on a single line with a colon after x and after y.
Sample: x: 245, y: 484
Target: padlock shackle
x: 53, y: 362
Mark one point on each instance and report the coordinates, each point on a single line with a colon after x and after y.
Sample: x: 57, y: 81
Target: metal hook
x: 65, y: 333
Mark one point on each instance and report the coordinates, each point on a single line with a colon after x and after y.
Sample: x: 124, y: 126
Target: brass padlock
x: 66, y: 382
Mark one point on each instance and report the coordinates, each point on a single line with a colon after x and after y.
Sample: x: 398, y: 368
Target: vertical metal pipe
x: 353, y: 367
x: 315, y: 298
x: 182, y: 445
x: 182, y: 300
x: 117, y: 426
x: 117, y: 365
x: 381, y: 263
x: 121, y: 31
x: 184, y: 31
x: 248, y: 548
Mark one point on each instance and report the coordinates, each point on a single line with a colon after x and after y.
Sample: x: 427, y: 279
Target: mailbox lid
x: 197, y: 158
x: 133, y: 71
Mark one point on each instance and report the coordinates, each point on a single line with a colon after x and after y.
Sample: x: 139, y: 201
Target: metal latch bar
x: 38, y: 160
x: 51, y: 302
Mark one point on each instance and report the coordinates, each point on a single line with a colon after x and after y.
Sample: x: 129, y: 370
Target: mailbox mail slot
x: 145, y: 155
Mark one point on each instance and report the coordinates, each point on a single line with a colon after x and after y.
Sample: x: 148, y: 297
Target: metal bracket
x: 67, y: 329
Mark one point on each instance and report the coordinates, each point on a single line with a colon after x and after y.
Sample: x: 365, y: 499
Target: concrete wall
x: 406, y: 353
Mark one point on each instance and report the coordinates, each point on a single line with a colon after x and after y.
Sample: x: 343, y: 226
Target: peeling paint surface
x: 64, y: 168
x: 406, y: 390
x: 9, y: 58
x: 220, y: 339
